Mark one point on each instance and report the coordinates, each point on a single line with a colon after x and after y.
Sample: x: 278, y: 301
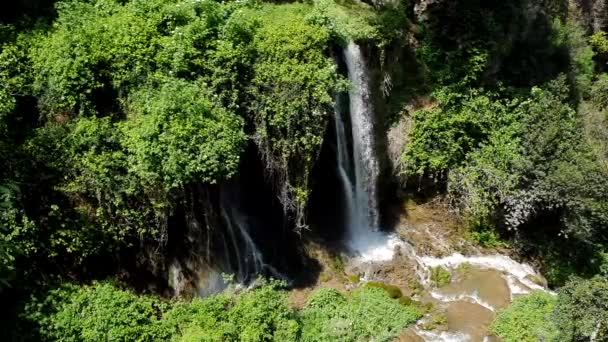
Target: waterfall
x: 364, y: 158
x: 249, y: 260
x: 366, y: 167
x: 359, y: 177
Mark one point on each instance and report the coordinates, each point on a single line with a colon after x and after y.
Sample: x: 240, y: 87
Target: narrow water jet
x: 248, y: 258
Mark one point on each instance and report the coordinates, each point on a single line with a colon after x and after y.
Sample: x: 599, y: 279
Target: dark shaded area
x: 532, y: 57
x: 326, y: 205
x: 514, y: 38
x: 27, y: 10
x: 274, y: 235
x: 205, y: 234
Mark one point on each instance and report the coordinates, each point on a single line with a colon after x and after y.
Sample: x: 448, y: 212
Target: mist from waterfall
x: 359, y: 175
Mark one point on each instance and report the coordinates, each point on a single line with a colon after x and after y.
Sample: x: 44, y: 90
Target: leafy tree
x: 538, y: 163
x: 177, y: 135
x: 456, y: 125
x: 581, y: 311
x: 96, y: 50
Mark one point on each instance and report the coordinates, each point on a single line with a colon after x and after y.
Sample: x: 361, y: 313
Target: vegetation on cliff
x: 120, y: 118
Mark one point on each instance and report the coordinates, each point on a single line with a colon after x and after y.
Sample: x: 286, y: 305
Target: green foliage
x: 440, y: 276
x: 457, y: 124
x: 8, y: 220
x: 261, y: 314
x: 581, y: 312
x: 536, y: 163
x: 571, y: 35
x: 486, y: 238
x: 527, y: 319
x: 369, y: 313
x: 92, y: 50
x: 14, y: 76
x: 345, y: 21
x: 290, y: 115
x: 579, y: 259
x: 437, y: 320
x: 599, y: 41
x: 103, y: 312
x: 599, y: 92
x: 143, y: 101
x: 94, y: 313
x: 177, y: 135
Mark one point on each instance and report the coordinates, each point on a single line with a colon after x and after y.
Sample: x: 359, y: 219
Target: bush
x: 599, y: 92
x: 99, y: 312
x: 486, y: 238
x: 369, y: 313
x: 527, y: 319
x: 103, y: 312
x: 178, y: 135
x: 261, y: 314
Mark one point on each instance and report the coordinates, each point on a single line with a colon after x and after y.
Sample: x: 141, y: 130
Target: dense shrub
x: 177, y: 135
x: 364, y: 315
x: 95, y: 313
x: 103, y: 312
x: 527, y: 319
x: 261, y: 314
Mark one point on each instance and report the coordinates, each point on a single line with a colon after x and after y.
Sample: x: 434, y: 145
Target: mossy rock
x: 415, y: 287
x: 392, y: 290
x: 437, y: 321
x: 407, y: 301
x: 354, y: 278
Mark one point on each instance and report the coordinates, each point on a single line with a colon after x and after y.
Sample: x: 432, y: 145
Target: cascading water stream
x: 359, y: 177
x: 364, y: 158
x: 249, y: 259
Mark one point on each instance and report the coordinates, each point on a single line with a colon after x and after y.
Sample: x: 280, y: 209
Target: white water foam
x: 467, y: 297
x: 442, y: 336
x: 516, y: 287
x: 499, y: 262
x: 380, y: 247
